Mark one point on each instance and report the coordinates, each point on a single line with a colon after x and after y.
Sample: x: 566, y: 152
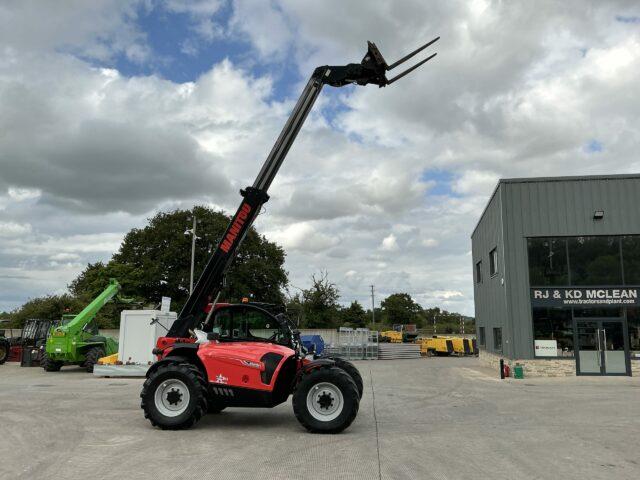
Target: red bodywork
x: 238, y: 364
x: 15, y: 354
x: 234, y: 364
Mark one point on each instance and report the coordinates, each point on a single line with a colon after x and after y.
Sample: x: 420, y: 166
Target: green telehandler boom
x: 76, y: 341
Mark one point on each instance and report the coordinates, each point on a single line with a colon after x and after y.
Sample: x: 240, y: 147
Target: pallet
x: 396, y: 351
x: 120, y: 370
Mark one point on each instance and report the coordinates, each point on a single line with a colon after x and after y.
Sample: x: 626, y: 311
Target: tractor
x: 5, y: 345
x: 218, y: 355
x: 26, y: 348
x: 77, y: 341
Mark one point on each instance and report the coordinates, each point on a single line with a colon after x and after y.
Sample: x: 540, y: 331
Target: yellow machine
x: 436, y: 346
x: 400, y: 334
x: 461, y: 346
x: 108, y: 360
x: 391, y: 336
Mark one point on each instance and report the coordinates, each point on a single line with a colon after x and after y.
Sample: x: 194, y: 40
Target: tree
x: 320, y: 303
x: 155, y: 261
x: 400, y: 308
x: 51, y: 307
x: 354, y: 315
x: 446, y: 322
x: 295, y: 310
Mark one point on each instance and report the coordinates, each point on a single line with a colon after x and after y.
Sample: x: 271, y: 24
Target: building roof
x: 574, y: 178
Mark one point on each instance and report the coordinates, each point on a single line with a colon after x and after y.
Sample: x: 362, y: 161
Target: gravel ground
x: 445, y: 418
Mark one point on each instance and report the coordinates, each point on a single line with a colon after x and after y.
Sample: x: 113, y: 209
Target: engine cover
x: 252, y: 365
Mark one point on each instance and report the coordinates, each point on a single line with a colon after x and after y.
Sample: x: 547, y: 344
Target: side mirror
x: 213, y: 336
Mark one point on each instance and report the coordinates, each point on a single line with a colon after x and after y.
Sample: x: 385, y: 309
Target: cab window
x: 91, y: 327
x: 244, y: 324
x: 223, y: 323
x: 256, y: 324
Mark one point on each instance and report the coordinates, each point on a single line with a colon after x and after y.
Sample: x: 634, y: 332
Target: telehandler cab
x: 218, y: 355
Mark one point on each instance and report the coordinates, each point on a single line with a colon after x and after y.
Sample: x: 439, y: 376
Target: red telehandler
x: 250, y: 355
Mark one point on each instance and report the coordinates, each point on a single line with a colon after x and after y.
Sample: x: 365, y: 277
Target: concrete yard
x: 419, y: 419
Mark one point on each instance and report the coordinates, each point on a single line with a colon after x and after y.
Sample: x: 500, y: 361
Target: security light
x: 598, y: 215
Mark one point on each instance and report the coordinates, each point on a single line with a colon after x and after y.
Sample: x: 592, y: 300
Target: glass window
x: 493, y: 262
x: 595, y: 261
x: 631, y: 259
x: 555, y: 325
x: 481, y: 337
x: 479, y: 272
x: 548, y: 261
x: 633, y: 323
x: 255, y: 324
x: 615, y: 312
x: 244, y: 323
x: 497, y: 339
x: 223, y: 323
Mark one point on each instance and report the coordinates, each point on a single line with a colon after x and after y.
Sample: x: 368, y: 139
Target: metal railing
x: 354, y: 344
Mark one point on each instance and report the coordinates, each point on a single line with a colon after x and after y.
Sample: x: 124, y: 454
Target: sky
x: 111, y: 111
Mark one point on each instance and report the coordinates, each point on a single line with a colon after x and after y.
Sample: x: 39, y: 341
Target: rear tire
x: 5, y: 348
x: 351, y: 369
x: 48, y: 364
x: 174, y: 397
x: 92, y: 356
x: 326, y: 400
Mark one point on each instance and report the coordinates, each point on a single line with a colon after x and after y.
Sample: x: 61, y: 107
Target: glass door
x: 602, y: 347
x: 589, y: 359
x: 613, y: 348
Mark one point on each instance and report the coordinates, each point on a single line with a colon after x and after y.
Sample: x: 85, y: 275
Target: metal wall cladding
x: 489, y: 293
x: 541, y: 207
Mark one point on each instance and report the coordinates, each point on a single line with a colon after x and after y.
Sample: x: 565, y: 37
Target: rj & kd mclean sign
x: 567, y: 297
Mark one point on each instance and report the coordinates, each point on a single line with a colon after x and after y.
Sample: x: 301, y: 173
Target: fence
x: 354, y: 344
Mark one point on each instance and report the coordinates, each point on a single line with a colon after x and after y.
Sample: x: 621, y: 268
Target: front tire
x: 5, y: 348
x: 48, y: 364
x: 174, y: 397
x: 326, y: 400
x: 351, y: 369
x: 92, y: 357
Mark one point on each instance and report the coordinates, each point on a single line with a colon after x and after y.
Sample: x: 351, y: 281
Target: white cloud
x: 63, y: 257
x: 97, y: 30
x: 518, y: 89
x: 194, y: 7
x: 21, y: 194
x: 389, y: 243
x: 302, y: 237
x: 430, y: 242
x: 474, y: 182
x: 13, y: 229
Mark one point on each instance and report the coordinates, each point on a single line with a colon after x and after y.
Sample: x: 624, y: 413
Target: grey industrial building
x: 556, y: 269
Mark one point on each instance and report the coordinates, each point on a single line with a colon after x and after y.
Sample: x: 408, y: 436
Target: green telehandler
x: 76, y: 341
